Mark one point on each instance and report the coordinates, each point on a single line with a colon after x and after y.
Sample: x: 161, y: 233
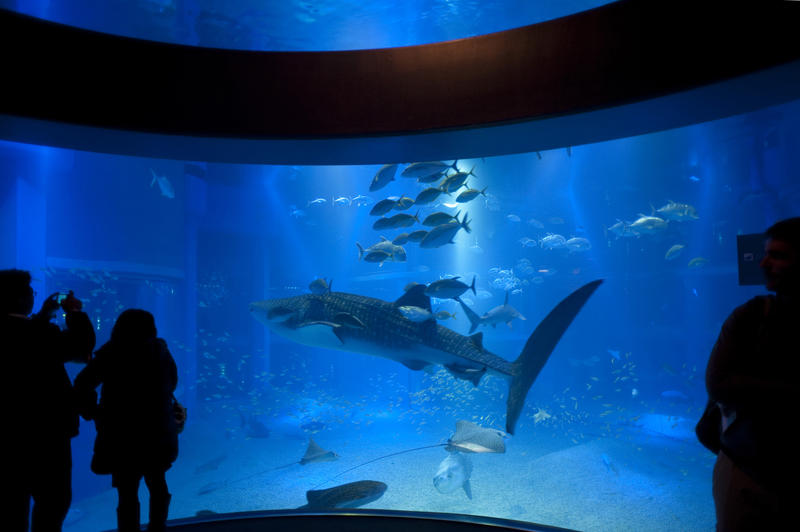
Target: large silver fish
x: 318, y: 320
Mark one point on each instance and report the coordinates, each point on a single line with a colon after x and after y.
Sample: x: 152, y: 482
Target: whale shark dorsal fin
x: 414, y: 297
x: 477, y: 339
x: 467, y: 488
x: 506, y: 301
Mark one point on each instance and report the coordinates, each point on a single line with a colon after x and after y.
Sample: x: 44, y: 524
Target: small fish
x: 578, y: 243
x: 400, y: 239
x: 428, y: 195
x: 678, y: 212
x: 417, y: 236
x: 341, y: 200
x: 455, y: 181
x: 377, y: 256
x: 317, y: 201
x: 393, y: 251
x: 535, y: 223
x: 469, y: 195
x: 513, y: 218
x: 382, y: 207
x: 674, y: 252
x: 403, y: 203
x: 164, y: 185
x: 528, y: 242
x: 294, y: 212
x: 382, y: 223
x: 415, y: 314
x: 648, y: 225
x: 698, y: 262
x: 426, y: 169
x: 439, y: 218
x: 449, y: 288
x: 361, y: 200
x: 320, y: 286
x: 443, y: 234
x: 402, y: 220
x: 621, y: 229
x: 383, y: 177
x: 552, y: 241
x: 443, y: 315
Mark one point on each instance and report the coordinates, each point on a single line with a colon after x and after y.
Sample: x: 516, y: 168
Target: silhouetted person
x: 137, y: 434
x: 753, y: 376
x: 37, y: 396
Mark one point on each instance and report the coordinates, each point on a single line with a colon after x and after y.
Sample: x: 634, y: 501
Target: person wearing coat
x: 137, y: 434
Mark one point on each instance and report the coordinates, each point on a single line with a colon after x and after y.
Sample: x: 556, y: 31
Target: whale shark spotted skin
x: 361, y: 324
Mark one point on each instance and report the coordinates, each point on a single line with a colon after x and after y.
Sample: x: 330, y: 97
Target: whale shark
x: 361, y: 324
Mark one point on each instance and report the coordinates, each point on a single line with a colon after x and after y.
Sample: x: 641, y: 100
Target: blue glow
x: 294, y: 25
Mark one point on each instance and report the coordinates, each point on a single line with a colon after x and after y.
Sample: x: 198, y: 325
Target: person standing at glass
x: 137, y: 434
x: 752, y: 376
x: 38, y: 398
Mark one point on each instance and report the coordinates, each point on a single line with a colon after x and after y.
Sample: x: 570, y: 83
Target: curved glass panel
x: 296, y: 25
x: 605, y: 438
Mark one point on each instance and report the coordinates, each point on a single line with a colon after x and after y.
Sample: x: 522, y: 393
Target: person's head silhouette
x: 16, y: 294
x: 781, y: 262
x: 134, y: 326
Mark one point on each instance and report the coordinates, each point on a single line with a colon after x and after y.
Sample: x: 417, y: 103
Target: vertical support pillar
x: 195, y: 206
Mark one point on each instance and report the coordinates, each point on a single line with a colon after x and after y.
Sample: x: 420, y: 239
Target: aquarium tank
x: 303, y: 303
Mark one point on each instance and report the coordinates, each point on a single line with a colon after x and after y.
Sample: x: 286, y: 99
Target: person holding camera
x: 136, y: 421
x: 42, y: 414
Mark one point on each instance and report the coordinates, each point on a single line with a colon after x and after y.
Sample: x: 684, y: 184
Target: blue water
x: 294, y: 25
x: 605, y: 440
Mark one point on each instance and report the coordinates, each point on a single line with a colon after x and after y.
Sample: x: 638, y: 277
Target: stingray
x: 468, y: 438
x: 351, y: 495
x: 314, y: 453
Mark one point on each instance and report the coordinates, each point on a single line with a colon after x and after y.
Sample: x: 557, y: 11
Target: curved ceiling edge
x: 746, y: 93
x: 565, y: 74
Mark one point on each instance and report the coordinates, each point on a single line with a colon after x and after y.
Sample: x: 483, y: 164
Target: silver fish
x: 383, y: 177
x: 443, y: 234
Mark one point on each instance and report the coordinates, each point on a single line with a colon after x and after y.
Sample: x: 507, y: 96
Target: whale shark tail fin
x: 538, y: 348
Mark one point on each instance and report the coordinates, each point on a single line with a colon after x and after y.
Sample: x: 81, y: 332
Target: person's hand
x: 71, y: 303
x: 49, y: 306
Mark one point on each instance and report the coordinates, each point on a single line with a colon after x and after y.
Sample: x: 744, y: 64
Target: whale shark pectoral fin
x: 415, y: 365
x: 325, y: 326
x: 467, y: 488
x: 472, y: 375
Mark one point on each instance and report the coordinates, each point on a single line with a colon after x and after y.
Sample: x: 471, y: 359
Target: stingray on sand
x: 468, y: 438
x: 350, y: 495
x: 314, y: 453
